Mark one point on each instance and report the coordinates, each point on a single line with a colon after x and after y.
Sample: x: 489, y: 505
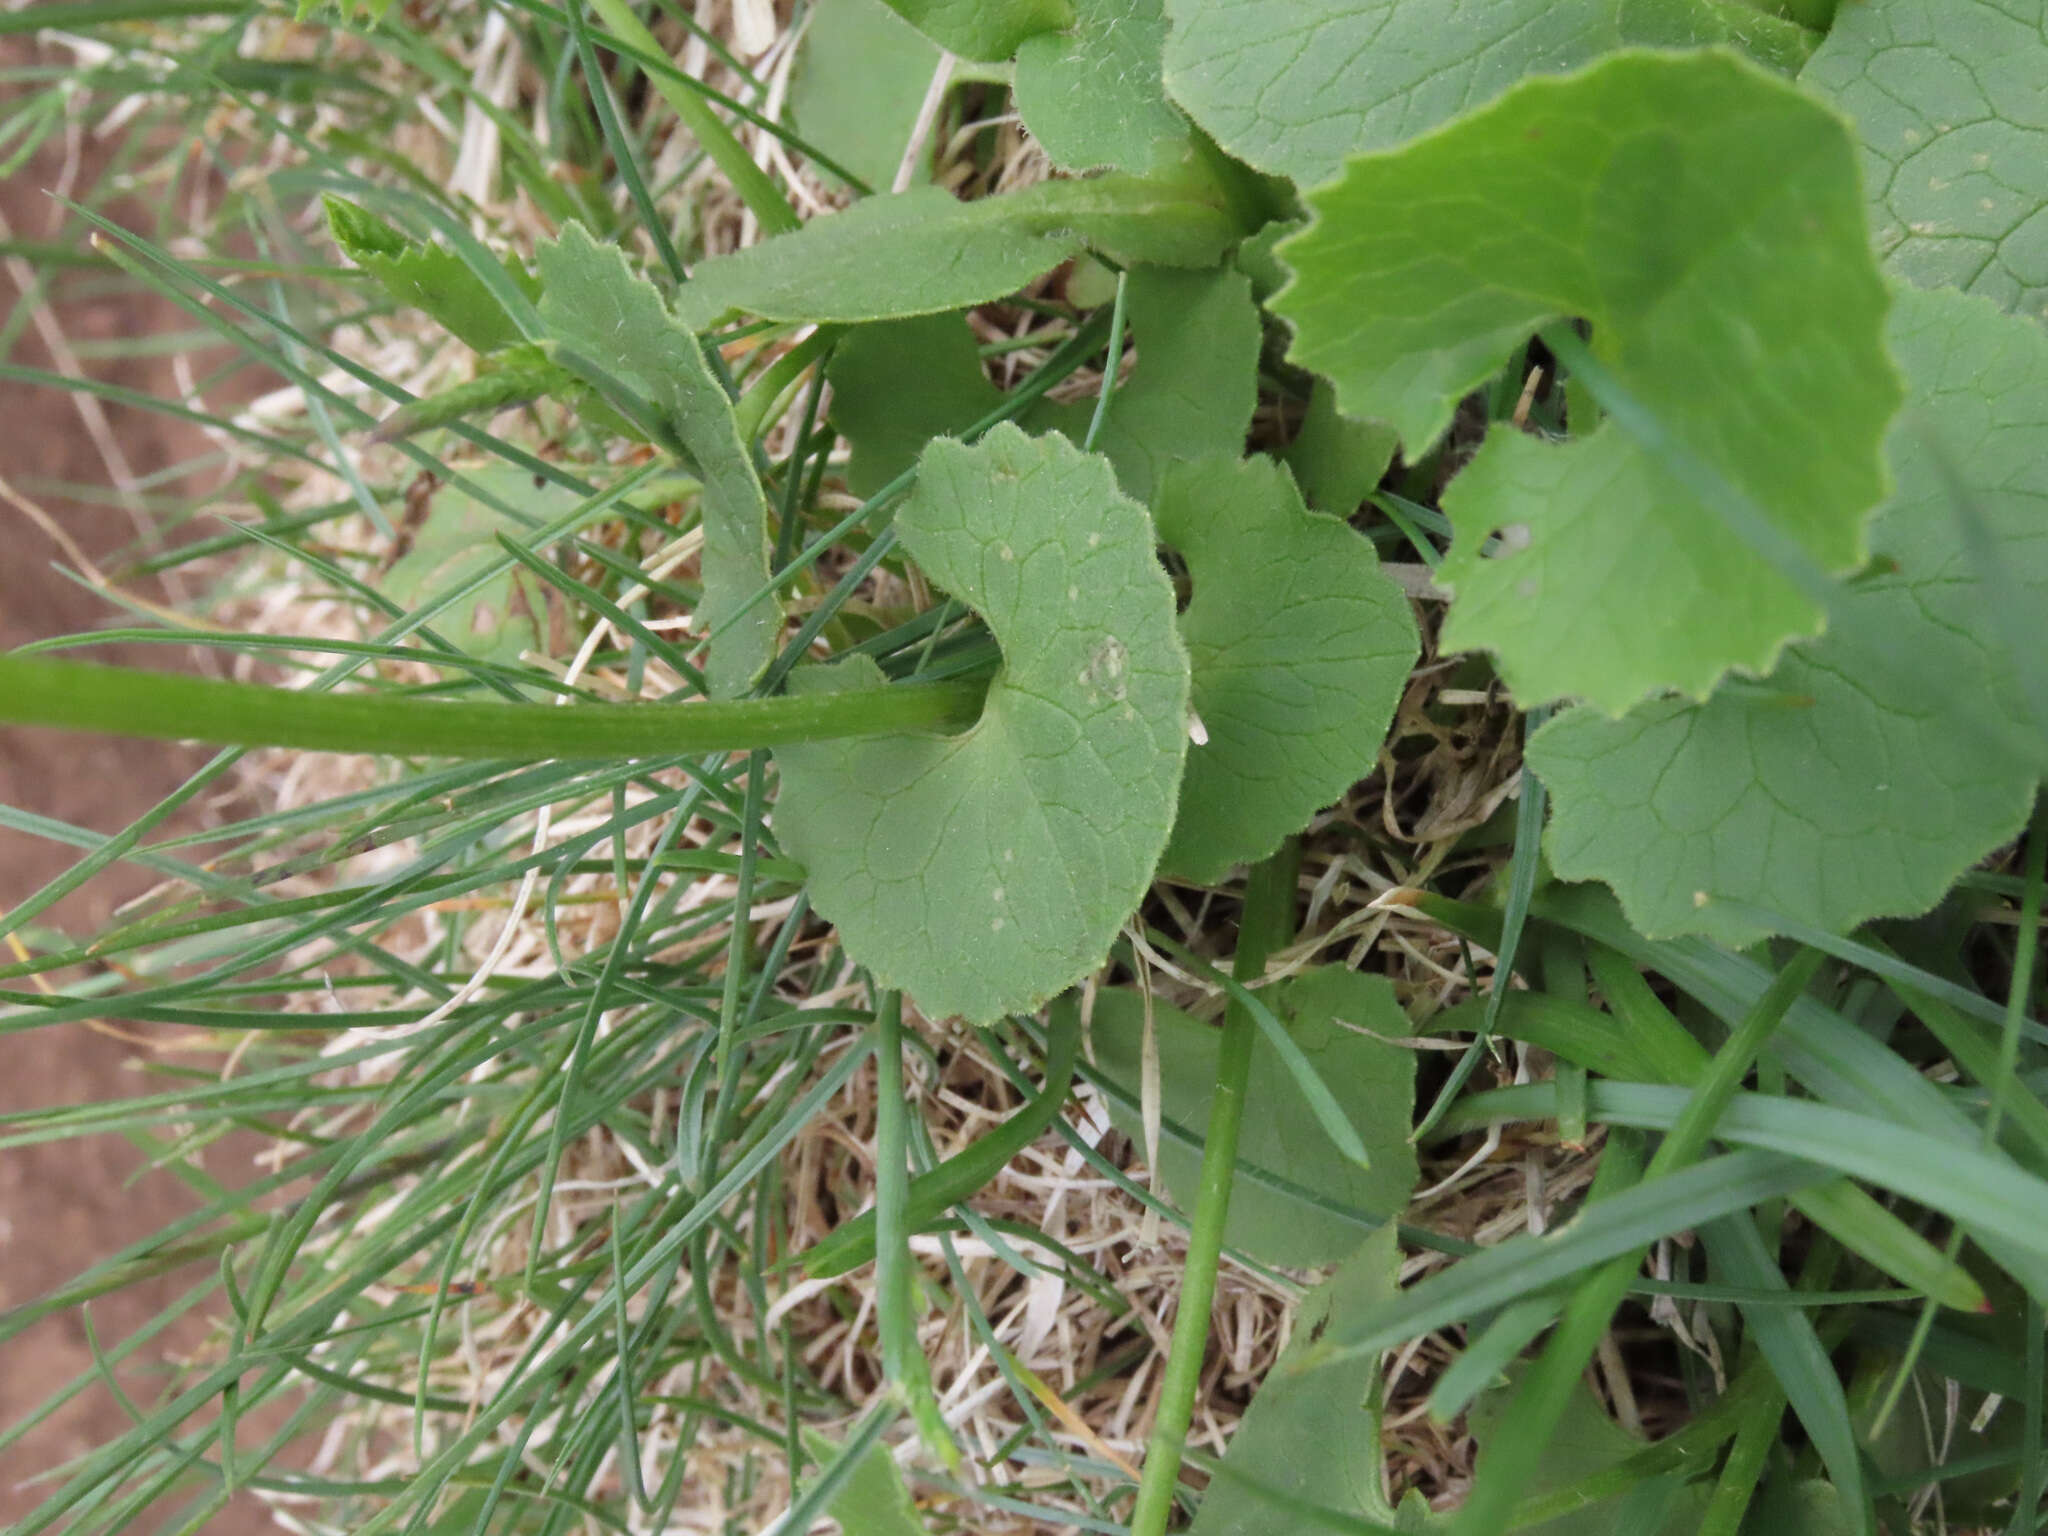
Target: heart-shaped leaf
x: 1655, y: 194
x: 1338, y: 461
x: 1845, y: 787
x: 1300, y: 647
x: 984, y: 872
x: 1583, y: 1443
x: 1298, y: 86
x: 1950, y: 99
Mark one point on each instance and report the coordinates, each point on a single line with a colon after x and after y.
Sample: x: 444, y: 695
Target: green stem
x: 934, y: 1193
x: 903, y: 1360
x: 753, y: 408
x: 756, y: 189
x: 99, y: 13
x: 1743, y: 1472
x: 81, y: 697
x: 1268, y: 916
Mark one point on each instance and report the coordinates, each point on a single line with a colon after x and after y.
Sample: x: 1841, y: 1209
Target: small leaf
x: 1092, y: 95
x: 1714, y: 238
x: 1338, y: 461
x: 1298, y: 86
x: 1195, y: 383
x: 896, y: 385
x: 424, y: 275
x: 1312, y: 1436
x: 986, y: 871
x: 924, y: 250
x: 1844, y: 787
x: 613, y: 325
x: 874, y: 1500
x: 1327, y: 1012
x: 899, y: 384
x: 859, y: 83
x: 1300, y: 647
x: 1811, y: 1507
x: 1950, y: 99
x: 1583, y: 1442
x: 511, y: 377
x: 983, y: 29
x: 454, y: 542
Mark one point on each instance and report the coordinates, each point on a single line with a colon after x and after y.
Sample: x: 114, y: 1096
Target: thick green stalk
x: 1268, y: 917
x: 81, y: 697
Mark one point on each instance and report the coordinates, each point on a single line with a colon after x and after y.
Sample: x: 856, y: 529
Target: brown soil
x: 65, y: 1205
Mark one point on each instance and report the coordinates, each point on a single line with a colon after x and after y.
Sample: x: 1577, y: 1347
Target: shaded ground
x: 67, y: 1204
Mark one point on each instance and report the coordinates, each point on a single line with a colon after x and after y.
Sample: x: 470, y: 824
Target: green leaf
x: 1300, y: 648
x: 1195, y: 384
x: 1811, y: 1507
x: 924, y: 251
x: 1903, y: 1453
x: 1092, y: 95
x: 1336, y: 460
x: 609, y: 325
x: 860, y: 80
x: 1328, y: 1012
x: 1311, y: 1436
x: 1705, y: 217
x: 899, y: 384
x: 1583, y: 1441
x: 986, y: 871
x: 1950, y: 99
x: 983, y: 29
x: 874, y: 1500
x: 1843, y: 788
x: 1297, y: 87
x: 455, y: 542
x: 511, y: 377
x: 425, y: 275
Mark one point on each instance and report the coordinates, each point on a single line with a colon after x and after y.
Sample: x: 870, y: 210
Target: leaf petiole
x: 79, y: 696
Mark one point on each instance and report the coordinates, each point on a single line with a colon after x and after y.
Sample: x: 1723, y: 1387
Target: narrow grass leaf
x: 1733, y: 1181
